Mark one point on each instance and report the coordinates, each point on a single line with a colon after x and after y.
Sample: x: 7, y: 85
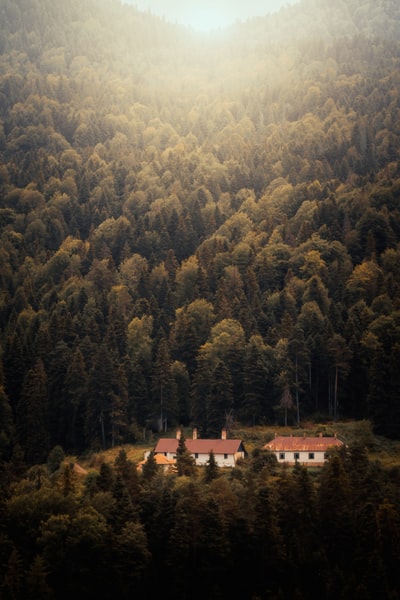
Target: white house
x: 226, y: 452
x: 310, y: 451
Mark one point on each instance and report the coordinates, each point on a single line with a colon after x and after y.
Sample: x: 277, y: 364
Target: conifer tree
x: 149, y: 468
x: 211, y: 470
x: 32, y: 426
x: 185, y: 462
x: 36, y: 580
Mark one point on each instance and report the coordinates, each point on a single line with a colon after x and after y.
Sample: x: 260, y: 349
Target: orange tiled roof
x: 283, y: 443
x: 161, y: 460
x: 200, y: 446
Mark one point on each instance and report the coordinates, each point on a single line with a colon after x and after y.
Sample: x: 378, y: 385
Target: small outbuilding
x: 166, y: 464
x: 310, y: 451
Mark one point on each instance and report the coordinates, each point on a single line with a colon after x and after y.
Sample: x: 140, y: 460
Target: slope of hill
x: 196, y: 231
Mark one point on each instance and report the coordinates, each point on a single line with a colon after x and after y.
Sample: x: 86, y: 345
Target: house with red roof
x: 310, y: 451
x: 226, y: 452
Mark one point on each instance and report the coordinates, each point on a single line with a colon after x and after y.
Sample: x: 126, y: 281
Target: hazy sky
x: 206, y: 15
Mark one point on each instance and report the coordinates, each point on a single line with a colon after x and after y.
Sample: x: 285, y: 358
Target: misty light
x: 207, y: 18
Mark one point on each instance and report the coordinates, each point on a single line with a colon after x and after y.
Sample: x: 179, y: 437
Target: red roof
x: 200, y: 446
x: 283, y: 443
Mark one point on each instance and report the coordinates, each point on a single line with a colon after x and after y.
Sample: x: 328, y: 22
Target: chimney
x: 178, y: 434
x: 320, y: 435
x: 223, y: 434
x: 195, y: 433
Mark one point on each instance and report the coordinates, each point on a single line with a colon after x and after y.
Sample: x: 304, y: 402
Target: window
x: 311, y: 456
x: 281, y: 456
x: 296, y: 455
x: 196, y: 455
x: 225, y: 456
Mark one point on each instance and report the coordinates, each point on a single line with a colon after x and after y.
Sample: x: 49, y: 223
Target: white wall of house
x: 222, y: 460
x: 309, y: 458
x: 171, y: 455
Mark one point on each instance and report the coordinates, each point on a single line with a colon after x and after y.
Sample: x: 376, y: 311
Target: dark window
x: 196, y: 455
x: 281, y: 456
x: 311, y: 456
x: 296, y: 455
x: 225, y: 456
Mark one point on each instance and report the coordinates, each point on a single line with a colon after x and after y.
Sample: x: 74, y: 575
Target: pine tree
x: 220, y: 399
x: 149, y: 468
x: 12, y: 587
x: 211, y: 470
x: 6, y: 425
x: 32, y: 410
x: 36, y: 579
x: 185, y: 462
x: 127, y: 470
x: 286, y: 401
x: 164, y: 400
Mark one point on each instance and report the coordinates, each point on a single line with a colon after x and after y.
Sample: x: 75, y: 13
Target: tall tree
x: 185, y: 462
x: 286, y: 401
x: 258, y: 368
x: 102, y: 387
x: 164, y: 398
x: 340, y: 355
x: 32, y: 412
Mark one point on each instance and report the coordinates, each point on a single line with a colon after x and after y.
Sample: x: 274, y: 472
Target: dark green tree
x: 131, y: 559
x: 36, y: 580
x: 185, y: 462
x: 127, y: 470
x: 211, y: 470
x: 149, y: 468
x: 32, y: 411
x: 55, y: 459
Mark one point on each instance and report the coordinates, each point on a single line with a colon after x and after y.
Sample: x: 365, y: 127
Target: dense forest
x: 257, y: 532
x: 197, y: 230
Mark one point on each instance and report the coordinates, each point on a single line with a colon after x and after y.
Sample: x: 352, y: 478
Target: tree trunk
x: 297, y: 395
x: 335, y: 411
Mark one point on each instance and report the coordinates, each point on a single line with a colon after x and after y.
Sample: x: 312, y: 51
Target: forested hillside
x: 196, y: 229
x: 203, y: 231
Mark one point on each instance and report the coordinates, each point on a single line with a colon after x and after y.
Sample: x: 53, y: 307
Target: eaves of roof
x: 200, y: 446
x: 302, y: 444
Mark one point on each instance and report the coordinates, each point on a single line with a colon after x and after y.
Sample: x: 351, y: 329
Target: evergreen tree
x: 185, y: 462
x: 220, y: 399
x: 131, y: 558
x: 211, y: 470
x: 127, y: 470
x: 12, y: 586
x: 32, y: 411
x: 6, y: 425
x: 36, y: 580
x: 149, y: 468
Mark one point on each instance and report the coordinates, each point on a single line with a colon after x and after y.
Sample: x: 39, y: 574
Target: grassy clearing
x: 387, y: 452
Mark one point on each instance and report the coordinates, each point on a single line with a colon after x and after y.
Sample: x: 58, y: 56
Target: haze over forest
x: 197, y: 231
x: 209, y: 15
